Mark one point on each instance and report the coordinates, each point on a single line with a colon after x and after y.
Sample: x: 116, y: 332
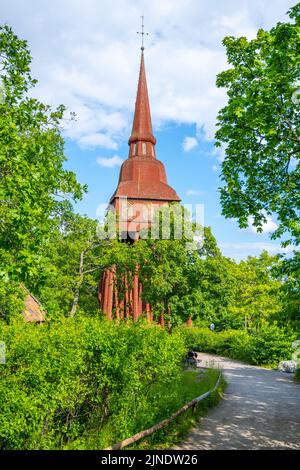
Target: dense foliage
x: 267, y: 346
x: 83, y: 378
x: 59, y: 257
x: 33, y: 180
x: 77, y: 381
x: 260, y: 127
x: 201, y: 284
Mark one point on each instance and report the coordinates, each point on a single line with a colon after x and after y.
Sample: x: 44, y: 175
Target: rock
x: 287, y: 366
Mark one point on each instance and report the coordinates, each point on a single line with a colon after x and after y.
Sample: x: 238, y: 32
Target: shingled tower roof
x: 142, y: 176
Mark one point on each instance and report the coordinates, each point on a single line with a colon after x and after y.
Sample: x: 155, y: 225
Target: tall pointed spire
x: 142, y: 140
x: 142, y: 175
x: 141, y: 189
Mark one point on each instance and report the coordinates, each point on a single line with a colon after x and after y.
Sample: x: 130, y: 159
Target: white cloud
x: 189, y: 143
x: 194, y: 192
x: 110, y: 162
x: 267, y: 227
x: 95, y: 126
x: 237, y: 24
x: 244, y: 249
x: 86, y: 55
x: 215, y: 168
x: 97, y: 140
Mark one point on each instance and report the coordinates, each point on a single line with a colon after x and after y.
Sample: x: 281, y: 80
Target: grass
x: 166, y: 400
x: 191, y: 385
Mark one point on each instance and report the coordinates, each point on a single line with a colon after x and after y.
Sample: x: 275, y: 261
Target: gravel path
x: 260, y: 410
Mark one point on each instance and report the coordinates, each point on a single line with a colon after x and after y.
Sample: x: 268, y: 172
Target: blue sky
x: 86, y: 55
x: 190, y: 173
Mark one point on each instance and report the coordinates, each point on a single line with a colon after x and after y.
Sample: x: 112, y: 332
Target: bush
x: 11, y: 299
x: 268, y: 346
x: 78, y: 379
x: 180, y: 393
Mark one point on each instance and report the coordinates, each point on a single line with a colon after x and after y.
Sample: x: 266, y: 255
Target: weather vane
x: 142, y: 33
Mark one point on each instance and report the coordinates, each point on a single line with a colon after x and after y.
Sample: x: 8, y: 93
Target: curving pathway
x: 260, y: 409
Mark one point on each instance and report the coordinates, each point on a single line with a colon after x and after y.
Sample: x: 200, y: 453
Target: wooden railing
x: 165, y: 422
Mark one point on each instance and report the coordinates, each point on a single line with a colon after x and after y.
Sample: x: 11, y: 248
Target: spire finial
x: 142, y: 33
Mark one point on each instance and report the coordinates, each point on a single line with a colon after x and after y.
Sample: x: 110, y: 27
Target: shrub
x: 180, y: 393
x: 199, y: 338
x: 233, y: 343
x: 268, y: 346
x: 11, y: 298
x: 64, y: 381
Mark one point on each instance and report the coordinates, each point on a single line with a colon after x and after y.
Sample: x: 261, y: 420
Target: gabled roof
x: 33, y: 310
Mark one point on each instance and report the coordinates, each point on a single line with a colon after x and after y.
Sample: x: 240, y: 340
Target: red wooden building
x: 142, y: 187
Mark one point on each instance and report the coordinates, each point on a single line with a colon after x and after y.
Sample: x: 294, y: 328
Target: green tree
x: 85, y: 383
x: 260, y: 128
x: 217, y: 285
x: 33, y: 181
x: 258, y: 298
x: 73, y: 258
x: 162, y: 270
x: 189, y: 279
x: 288, y: 272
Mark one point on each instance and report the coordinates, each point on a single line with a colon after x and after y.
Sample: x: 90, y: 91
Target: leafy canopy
x: 260, y: 128
x: 33, y: 181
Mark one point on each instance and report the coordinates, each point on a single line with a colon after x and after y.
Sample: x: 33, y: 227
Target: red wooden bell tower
x: 143, y: 184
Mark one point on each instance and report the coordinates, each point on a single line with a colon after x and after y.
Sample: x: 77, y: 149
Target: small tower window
x: 144, y: 148
x: 134, y: 149
x: 152, y: 150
